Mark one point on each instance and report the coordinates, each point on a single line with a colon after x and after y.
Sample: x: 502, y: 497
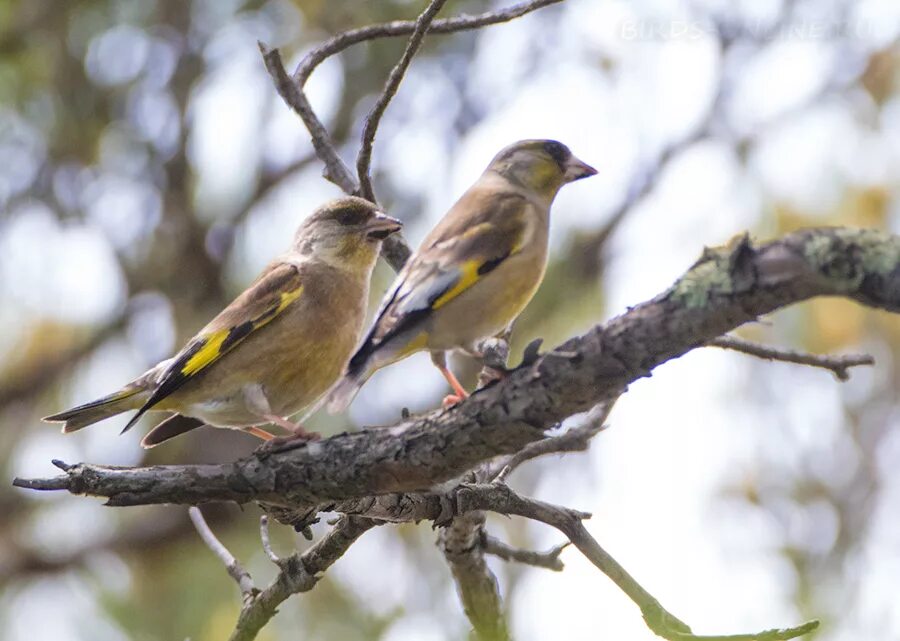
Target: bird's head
x: 346, y: 232
x: 542, y: 166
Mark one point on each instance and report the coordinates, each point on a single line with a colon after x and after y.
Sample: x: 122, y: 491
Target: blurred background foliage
x: 148, y: 170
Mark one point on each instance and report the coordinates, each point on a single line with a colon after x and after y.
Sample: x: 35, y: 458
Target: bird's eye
x: 350, y: 217
x: 558, y: 151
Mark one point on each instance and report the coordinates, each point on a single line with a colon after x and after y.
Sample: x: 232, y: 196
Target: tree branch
x: 397, y: 28
x: 394, y: 249
x: 297, y: 573
x: 373, y: 119
x: 461, y: 543
x: 462, y: 539
x: 727, y: 287
x: 235, y: 570
x: 501, y: 499
x: 838, y: 365
x: 476, y: 498
x: 292, y: 93
x: 548, y: 560
x: 575, y: 439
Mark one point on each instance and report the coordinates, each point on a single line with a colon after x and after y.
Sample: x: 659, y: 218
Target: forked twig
x: 838, y: 365
x: 234, y: 568
x: 373, y: 119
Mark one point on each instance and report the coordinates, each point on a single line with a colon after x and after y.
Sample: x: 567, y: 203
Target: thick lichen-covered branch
x: 727, y: 287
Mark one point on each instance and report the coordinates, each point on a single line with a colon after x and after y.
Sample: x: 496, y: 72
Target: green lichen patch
x: 719, y: 271
x: 846, y: 256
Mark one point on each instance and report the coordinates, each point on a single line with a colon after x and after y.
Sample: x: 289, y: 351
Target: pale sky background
x: 654, y: 480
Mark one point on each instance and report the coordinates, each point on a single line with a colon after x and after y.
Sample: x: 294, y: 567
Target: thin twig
x: 292, y: 93
x: 405, y: 27
x: 373, y: 119
x: 575, y: 439
x: 235, y: 570
x: 266, y: 542
x: 394, y: 249
x: 548, y: 560
x: 298, y: 573
x: 838, y: 365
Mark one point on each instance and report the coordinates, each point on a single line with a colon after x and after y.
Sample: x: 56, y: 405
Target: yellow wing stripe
x: 206, y: 354
x: 469, y: 269
x: 287, y: 298
x: 212, y: 347
x: 468, y: 277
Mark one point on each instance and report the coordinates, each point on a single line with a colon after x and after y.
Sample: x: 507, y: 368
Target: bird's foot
x: 299, y: 436
x: 452, y: 399
x: 297, y: 431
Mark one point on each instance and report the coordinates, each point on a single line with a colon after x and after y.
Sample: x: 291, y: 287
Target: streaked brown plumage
x: 477, y: 269
x: 277, y: 347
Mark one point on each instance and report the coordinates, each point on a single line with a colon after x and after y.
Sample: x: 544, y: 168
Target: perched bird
x: 475, y: 272
x: 276, y: 348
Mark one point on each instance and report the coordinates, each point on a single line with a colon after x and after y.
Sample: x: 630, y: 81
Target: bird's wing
x: 276, y: 288
x: 460, y: 252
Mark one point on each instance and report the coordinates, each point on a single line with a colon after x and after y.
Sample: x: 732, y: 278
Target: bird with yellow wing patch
x: 276, y: 348
x: 477, y: 269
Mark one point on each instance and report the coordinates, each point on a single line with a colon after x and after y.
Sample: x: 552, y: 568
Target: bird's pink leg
x: 258, y: 432
x: 296, y: 430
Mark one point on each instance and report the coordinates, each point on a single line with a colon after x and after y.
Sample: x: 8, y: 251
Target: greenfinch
x: 475, y: 272
x: 276, y: 348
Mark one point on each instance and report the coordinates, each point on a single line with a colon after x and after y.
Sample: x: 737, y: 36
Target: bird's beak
x: 576, y: 170
x: 380, y: 226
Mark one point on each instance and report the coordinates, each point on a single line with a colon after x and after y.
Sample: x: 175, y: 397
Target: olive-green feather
x: 276, y: 289
x: 454, y: 257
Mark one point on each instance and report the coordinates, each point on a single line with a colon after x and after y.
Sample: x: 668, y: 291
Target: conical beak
x: 380, y: 226
x: 576, y: 170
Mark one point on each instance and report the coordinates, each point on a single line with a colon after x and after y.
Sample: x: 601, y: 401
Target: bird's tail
x: 128, y: 398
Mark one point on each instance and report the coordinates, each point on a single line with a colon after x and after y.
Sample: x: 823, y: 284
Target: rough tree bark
x: 727, y: 287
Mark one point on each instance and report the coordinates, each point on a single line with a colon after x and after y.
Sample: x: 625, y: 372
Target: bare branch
x: 548, y: 560
x: 235, y: 570
x: 476, y: 498
x: 404, y: 28
x: 838, y: 365
x: 292, y: 93
x: 727, y: 287
x: 298, y: 573
x: 501, y: 499
x: 394, y: 249
x: 373, y: 119
x: 266, y: 542
x: 460, y: 541
x: 575, y: 439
